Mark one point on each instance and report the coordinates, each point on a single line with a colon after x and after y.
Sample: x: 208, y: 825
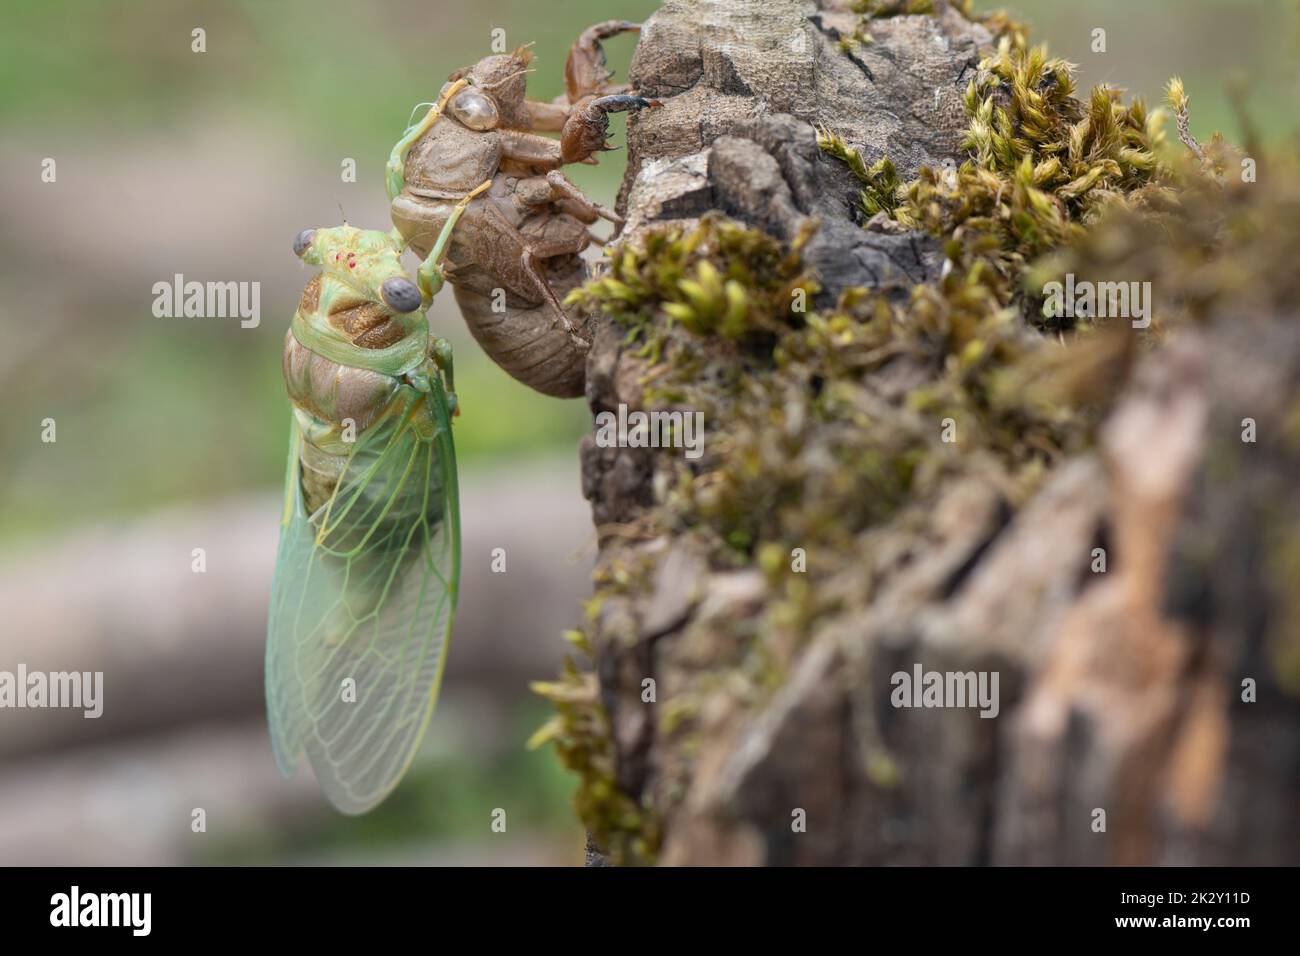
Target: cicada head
x: 361, y: 287
x: 365, y: 262
x: 496, y: 92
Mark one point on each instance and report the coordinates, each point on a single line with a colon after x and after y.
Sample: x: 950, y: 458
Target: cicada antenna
x: 507, y: 79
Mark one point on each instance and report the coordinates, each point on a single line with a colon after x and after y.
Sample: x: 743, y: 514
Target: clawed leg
x: 584, y: 208
x: 585, y: 71
x: 547, y: 117
x: 585, y: 74
x: 532, y: 268
x: 587, y: 127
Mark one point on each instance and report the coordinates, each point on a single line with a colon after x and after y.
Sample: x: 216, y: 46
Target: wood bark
x: 1118, y: 691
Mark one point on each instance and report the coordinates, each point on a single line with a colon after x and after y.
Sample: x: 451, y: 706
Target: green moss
x: 1040, y: 167
x: 880, y: 9
x: 883, y: 190
x: 998, y: 22
x: 718, y: 278
x: 583, y: 740
x: 627, y: 831
x: 860, y: 37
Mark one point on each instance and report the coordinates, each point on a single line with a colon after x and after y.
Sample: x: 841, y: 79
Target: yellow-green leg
x: 395, y: 171
x: 429, y: 276
x: 440, y: 351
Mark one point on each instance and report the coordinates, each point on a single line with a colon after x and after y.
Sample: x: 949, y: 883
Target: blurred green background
x: 208, y: 165
x: 196, y: 156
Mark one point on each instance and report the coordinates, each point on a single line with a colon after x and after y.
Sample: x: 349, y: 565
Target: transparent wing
x: 362, y: 605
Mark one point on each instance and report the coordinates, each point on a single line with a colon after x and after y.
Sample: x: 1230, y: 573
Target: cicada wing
x: 362, y: 608
x: 296, y: 597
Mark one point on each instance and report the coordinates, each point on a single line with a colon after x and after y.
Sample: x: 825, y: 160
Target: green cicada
x: 369, y: 559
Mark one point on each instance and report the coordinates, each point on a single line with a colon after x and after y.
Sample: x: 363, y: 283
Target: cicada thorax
x: 367, y: 325
x: 449, y: 160
x: 347, y: 414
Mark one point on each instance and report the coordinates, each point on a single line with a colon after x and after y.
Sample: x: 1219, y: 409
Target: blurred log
x: 130, y: 802
x: 177, y: 647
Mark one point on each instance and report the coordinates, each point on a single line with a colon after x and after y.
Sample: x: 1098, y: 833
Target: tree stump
x: 1119, y: 692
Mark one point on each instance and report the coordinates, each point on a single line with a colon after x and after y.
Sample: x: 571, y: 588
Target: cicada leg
x: 395, y: 171
x: 430, y: 277
x: 440, y: 352
x: 439, y: 362
x: 585, y: 72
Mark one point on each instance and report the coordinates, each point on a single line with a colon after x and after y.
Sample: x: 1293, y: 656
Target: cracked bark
x: 1117, y: 691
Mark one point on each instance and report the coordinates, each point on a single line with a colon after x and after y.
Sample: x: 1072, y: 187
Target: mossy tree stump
x: 770, y: 737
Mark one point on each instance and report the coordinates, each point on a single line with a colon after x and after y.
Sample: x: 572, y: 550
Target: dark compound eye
x: 401, y: 294
x: 302, y: 242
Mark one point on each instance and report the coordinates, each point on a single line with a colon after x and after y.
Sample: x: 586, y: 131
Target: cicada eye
x: 401, y: 294
x: 475, y: 109
x: 302, y: 242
